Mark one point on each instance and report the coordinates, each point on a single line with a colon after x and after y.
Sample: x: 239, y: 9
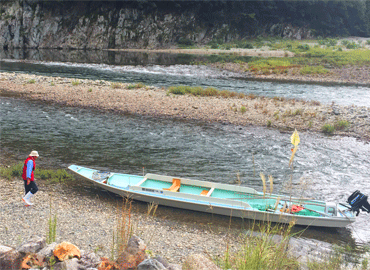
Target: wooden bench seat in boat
x: 204, y: 192
x: 176, y: 183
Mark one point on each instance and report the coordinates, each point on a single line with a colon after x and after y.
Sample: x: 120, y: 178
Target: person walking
x: 30, y: 186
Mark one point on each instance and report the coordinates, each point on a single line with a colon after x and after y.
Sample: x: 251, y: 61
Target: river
x: 328, y: 168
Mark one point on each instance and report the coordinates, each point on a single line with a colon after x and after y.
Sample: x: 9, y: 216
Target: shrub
x: 115, y: 85
x: 136, y: 86
x: 214, y: 46
x: 199, y: 91
x: 328, y: 129
x: 12, y: 171
x: 303, y: 47
x: 75, y: 82
x: 341, y: 124
x: 313, y: 70
x: 31, y: 81
x: 210, y: 91
x: 243, y: 109
x: 185, y: 42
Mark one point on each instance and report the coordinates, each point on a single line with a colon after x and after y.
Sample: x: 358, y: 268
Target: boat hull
x: 234, y: 209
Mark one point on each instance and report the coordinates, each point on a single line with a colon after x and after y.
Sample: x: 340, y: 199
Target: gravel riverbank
x: 279, y: 113
x: 89, y: 219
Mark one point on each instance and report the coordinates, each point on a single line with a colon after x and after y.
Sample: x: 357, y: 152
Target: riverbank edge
x: 347, y: 75
x: 279, y: 113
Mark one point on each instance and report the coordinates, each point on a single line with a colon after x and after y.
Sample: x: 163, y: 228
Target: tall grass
x: 123, y: 230
x: 52, y: 227
x: 262, y: 252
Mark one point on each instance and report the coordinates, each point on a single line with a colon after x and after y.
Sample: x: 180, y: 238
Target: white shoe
x: 27, y: 199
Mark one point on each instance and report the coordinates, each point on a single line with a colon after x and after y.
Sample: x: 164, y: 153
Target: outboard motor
x: 358, y: 201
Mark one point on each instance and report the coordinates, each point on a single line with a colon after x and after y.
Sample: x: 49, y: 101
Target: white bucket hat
x: 34, y: 154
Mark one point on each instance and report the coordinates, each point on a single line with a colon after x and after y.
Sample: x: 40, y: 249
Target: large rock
x: 199, y: 262
x: 151, y: 264
x: 10, y: 259
x: 133, y: 255
x: 89, y: 260
x: 47, y: 251
x: 66, y: 250
x: 35, y: 244
x: 67, y: 265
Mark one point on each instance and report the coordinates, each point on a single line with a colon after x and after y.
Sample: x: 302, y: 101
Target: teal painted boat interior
x: 85, y: 172
x: 228, y: 194
x: 124, y: 180
x: 157, y: 184
x: 191, y: 189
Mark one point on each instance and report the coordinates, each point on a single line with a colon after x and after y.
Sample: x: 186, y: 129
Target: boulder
x: 89, y: 260
x: 47, y: 251
x: 199, y: 262
x: 133, y: 255
x: 10, y: 258
x: 151, y: 264
x: 67, y: 265
x: 162, y: 261
x: 35, y: 244
x: 66, y: 250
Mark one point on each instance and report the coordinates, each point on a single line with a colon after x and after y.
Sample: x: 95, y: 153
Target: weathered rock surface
x: 133, y: 255
x: 10, y: 258
x: 109, y: 24
x: 35, y: 244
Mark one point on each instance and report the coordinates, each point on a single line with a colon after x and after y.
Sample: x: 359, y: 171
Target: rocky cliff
x: 124, y: 24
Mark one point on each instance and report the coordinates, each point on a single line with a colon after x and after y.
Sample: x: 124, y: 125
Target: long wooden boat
x: 218, y: 198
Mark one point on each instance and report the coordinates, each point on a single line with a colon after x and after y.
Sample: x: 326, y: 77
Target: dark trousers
x: 31, y: 187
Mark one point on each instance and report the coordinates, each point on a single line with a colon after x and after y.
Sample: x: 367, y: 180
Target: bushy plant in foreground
x: 262, y: 252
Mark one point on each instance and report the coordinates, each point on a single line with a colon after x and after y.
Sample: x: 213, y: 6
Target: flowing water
x: 328, y: 168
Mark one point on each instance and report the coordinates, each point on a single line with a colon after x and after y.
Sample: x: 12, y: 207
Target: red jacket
x: 24, y: 174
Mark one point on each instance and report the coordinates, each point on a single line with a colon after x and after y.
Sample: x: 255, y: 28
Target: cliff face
x: 115, y: 24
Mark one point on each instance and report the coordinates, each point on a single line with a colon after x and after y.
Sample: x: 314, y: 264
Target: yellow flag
x: 295, y: 138
x: 295, y: 141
